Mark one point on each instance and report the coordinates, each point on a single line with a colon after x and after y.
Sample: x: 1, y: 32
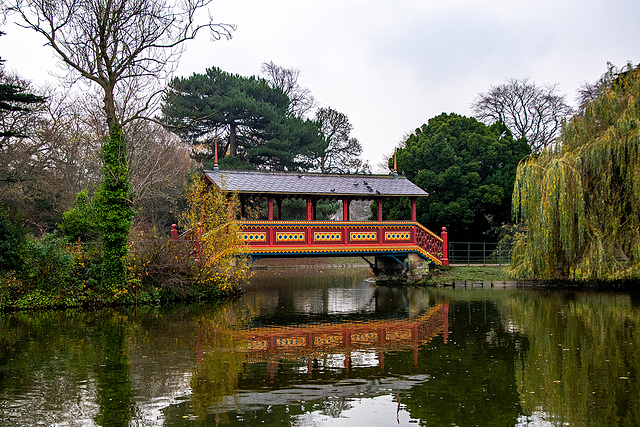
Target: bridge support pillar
x: 409, y: 269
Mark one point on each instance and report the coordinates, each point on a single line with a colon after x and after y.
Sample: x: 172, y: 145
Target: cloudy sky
x: 392, y: 65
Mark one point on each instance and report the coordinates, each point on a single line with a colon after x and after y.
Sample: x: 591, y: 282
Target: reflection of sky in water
x: 350, y: 301
x: 183, y: 357
x: 376, y: 411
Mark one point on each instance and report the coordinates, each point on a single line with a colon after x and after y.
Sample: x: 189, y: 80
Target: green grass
x: 481, y: 273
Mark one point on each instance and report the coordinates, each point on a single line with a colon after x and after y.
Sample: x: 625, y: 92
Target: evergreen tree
x: 468, y: 170
x: 15, y: 98
x: 248, y: 117
x: 579, y: 204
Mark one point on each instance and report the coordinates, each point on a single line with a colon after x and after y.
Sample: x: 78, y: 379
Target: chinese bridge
x: 394, y: 244
x: 315, y: 340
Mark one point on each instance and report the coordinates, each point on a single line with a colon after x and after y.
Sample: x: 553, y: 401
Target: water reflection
x: 330, y: 350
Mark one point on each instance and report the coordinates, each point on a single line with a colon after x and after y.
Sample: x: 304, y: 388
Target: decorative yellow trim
x: 363, y: 236
x: 291, y: 342
x: 320, y: 236
x: 289, y: 237
x: 343, y: 250
x: 327, y: 340
x: 253, y: 237
x: 397, y: 235
x: 336, y: 224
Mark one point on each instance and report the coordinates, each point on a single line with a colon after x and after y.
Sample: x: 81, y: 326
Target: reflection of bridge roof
x: 314, y: 184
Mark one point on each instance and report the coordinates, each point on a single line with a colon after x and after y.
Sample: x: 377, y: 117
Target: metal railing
x: 478, y: 253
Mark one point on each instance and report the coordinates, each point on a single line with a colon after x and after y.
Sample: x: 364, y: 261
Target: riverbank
x: 471, y: 275
x: 456, y: 275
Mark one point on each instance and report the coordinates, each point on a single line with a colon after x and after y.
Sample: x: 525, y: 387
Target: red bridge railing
x: 282, y: 238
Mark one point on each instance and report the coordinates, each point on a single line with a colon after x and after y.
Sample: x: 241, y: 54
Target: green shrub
x: 9, y: 243
x: 47, y: 263
x: 79, y: 223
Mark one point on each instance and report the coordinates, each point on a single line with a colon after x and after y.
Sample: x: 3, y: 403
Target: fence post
x: 199, y: 243
x: 445, y: 244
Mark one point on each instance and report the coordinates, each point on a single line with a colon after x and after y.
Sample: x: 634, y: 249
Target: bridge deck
x: 348, y: 238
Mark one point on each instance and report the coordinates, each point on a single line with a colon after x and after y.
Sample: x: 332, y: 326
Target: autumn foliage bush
x: 206, y: 263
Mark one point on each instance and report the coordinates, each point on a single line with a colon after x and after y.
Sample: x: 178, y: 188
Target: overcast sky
x: 392, y: 65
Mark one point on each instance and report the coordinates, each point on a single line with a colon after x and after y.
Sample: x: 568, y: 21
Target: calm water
x: 330, y: 351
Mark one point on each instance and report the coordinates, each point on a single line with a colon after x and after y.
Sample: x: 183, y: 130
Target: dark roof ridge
x: 254, y: 171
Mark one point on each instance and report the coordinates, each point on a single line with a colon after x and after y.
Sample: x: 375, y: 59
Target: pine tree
x: 248, y: 117
x: 15, y: 98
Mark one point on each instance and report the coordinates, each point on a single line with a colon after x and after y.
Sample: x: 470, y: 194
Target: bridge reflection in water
x: 314, y: 341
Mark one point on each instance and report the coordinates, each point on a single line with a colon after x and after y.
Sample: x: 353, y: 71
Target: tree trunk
x: 233, y: 139
x: 115, y: 201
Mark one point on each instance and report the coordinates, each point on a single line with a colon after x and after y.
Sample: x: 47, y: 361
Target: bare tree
x: 342, y: 151
x: 590, y: 91
x: 118, y: 45
x: 160, y: 163
x: 529, y: 111
x: 287, y: 79
x: 57, y: 156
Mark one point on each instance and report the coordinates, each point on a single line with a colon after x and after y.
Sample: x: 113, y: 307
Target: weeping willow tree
x: 579, y: 203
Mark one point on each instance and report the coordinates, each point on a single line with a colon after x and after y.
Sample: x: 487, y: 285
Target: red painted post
x: 445, y: 318
x: 229, y: 208
x: 270, y: 208
x: 445, y: 244
x: 345, y: 209
x: 414, y: 213
x: 309, y: 209
x: 379, y: 209
x: 199, y: 243
x: 174, y: 232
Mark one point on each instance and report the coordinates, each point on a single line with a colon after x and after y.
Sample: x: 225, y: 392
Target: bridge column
x: 445, y: 246
x: 345, y: 209
x: 270, y: 199
x: 309, y: 210
x: 380, y: 210
x: 230, y: 213
x: 414, y: 213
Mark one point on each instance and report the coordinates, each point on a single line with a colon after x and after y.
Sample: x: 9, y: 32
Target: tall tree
x: 579, y: 203
x: 14, y: 97
x: 468, y: 170
x: 341, y: 151
x: 300, y: 99
x: 248, y: 117
x: 117, y: 45
x: 529, y: 111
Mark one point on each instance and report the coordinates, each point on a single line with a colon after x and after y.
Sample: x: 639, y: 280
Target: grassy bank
x: 468, y: 273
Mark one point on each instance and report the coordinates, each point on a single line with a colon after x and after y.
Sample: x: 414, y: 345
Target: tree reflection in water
x: 281, y: 355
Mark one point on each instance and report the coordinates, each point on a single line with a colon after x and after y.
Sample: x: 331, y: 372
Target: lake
x: 331, y: 349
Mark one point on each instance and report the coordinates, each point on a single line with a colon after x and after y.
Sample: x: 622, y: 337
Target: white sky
x: 392, y: 65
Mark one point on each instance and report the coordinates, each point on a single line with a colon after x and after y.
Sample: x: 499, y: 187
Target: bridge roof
x: 294, y: 184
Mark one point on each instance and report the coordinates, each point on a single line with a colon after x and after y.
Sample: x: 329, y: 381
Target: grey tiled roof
x: 314, y: 184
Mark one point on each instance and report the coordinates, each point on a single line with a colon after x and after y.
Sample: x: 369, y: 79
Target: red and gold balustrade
x: 299, y: 238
